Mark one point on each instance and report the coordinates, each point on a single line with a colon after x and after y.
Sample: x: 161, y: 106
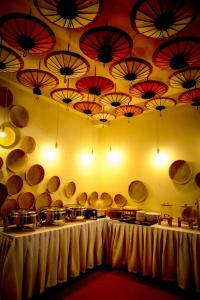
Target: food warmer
x: 51, y: 215
x: 21, y: 219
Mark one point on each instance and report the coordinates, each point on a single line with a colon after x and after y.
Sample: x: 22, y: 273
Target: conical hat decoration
x: 7, y: 205
x: 35, y: 174
x: 120, y: 200
x: 16, y: 160
x: 57, y: 203
x: 14, y: 184
x: 70, y: 189
x: 26, y: 200
x: 28, y: 144
x: 82, y: 198
x: 180, y: 171
x: 137, y: 191
x: 1, y: 163
x: 19, y: 116
x: 93, y: 197
x: 53, y: 184
x: 43, y: 200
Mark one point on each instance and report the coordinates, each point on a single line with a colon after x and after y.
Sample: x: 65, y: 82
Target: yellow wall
x: 177, y: 131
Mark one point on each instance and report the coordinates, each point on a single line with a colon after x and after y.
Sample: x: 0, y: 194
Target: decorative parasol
x: 192, y: 96
x: 87, y: 107
x: 37, y: 80
x: 115, y: 99
x: 148, y: 89
x: 10, y: 61
x: 161, y: 19
x: 178, y: 53
x: 103, y: 117
x: 106, y: 44
x: 66, y: 95
x: 70, y: 13
x: 128, y: 111
x: 131, y: 69
x: 27, y: 33
x: 95, y: 85
x: 67, y: 64
x: 160, y: 103
x: 186, y: 79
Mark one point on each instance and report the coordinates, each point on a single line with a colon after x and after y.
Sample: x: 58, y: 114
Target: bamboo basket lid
x: 137, y: 191
x: 19, y: 116
x: 35, y: 174
x: 12, y: 136
x: 53, y: 184
x: 16, y: 160
x: 1, y: 163
x: 28, y: 144
x: 93, y: 197
x: 8, y: 205
x: 197, y: 179
x: 57, y: 203
x: 43, y: 200
x: 14, y: 184
x: 3, y: 193
x: 26, y: 200
x: 180, y: 171
x: 6, y: 97
x: 82, y: 198
x: 107, y: 199
x: 120, y: 200
x: 189, y: 213
x: 70, y: 189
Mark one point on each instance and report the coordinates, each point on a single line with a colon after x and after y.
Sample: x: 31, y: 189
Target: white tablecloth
x: 157, y: 251
x: 31, y: 262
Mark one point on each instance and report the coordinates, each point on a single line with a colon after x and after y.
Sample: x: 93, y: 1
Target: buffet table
x: 30, y: 262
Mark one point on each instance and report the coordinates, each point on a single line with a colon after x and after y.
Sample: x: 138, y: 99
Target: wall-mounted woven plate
x: 28, y: 144
x: 137, y: 191
x: 8, y: 205
x: 197, y: 179
x: 26, y: 200
x: 1, y: 163
x: 120, y: 200
x: 180, y: 172
x: 12, y: 136
x: 14, y: 184
x: 19, y: 116
x: 70, y: 189
x: 93, y: 197
x: 16, y: 161
x: 3, y: 193
x: 107, y: 199
x: 57, y: 203
x: 53, y: 184
x: 82, y: 198
x: 43, y: 200
x: 35, y: 174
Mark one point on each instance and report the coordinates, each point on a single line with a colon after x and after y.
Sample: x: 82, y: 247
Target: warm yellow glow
x: 50, y: 153
x: 87, y: 159
x: 2, y: 133
x: 114, y: 156
x: 161, y: 158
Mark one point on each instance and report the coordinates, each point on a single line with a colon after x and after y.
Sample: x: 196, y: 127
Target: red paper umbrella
x: 37, y: 80
x: 187, y: 79
x: 103, y: 117
x: 148, y: 89
x: 10, y: 61
x: 178, y: 53
x: 69, y: 13
x: 95, y: 85
x: 27, y: 33
x: 160, y: 19
x: 131, y: 69
x: 160, y: 103
x: 128, y: 111
x: 115, y: 99
x: 66, y: 95
x: 106, y: 44
x: 192, y: 96
x: 67, y: 64
x: 88, y: 107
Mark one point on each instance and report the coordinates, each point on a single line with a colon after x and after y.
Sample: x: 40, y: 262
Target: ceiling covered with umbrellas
x: 105, y: 59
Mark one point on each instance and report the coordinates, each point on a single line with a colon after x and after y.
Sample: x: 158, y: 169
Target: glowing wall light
x: 87, y: 158
x: 49, y: 153
x: 114, y: 156
x: 161, y: 158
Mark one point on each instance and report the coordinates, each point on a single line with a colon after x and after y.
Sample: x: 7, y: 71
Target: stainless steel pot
x: 75, y: 212
x: 20, y: 218
x: 52, y: 215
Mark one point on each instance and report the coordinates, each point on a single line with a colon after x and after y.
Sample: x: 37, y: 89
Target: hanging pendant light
x: 148, y: 89
x: 106, y: 44
x: 95, y: 85
x: 192, y: 96
x: 160, y: 103
x: 10, y: 61
x: 67, y: 64
x: 128, y: 111
x: 131, y: 69
x: 37, y: 80
x: 69, y: 13
x: 178, y: 53
x: 115, y: 99
x: 88, y: 107
x: 66, y: 95
x: 27, y: 33
x: 103, y: 117
x: 161, y: 19
x: 185, y: 79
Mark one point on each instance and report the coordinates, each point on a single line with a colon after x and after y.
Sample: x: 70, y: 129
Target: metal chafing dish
x: 75, y: 212
x: 52, y: 215
x: 91, y: 213
x: 21, y: 218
